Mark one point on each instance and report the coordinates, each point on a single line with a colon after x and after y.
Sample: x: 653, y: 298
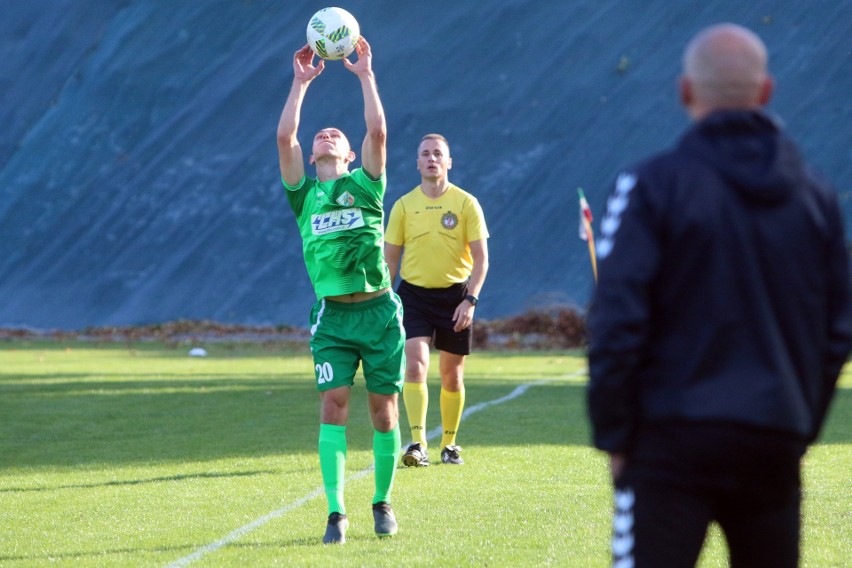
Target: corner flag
x: 586, y: 230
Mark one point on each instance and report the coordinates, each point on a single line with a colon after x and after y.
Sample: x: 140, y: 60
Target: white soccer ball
x: 333, y: 33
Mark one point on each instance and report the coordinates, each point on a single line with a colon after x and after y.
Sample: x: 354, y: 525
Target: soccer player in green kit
x: 357, y: 318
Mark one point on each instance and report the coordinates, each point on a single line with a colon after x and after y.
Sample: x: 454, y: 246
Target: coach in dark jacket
x: 720, y: 323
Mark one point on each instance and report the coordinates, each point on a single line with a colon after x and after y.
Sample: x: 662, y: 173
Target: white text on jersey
x: 337, y: 220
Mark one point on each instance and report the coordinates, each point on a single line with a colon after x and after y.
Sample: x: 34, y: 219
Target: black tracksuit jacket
x: 724, y: 288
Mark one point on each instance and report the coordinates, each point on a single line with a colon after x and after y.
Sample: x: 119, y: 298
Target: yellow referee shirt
x: 435, y: 234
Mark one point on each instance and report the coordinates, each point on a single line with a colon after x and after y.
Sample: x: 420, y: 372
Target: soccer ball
x: 333, y: 33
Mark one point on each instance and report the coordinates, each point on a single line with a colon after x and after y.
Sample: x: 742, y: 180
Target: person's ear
x: 685, y: 90
x: 311, y: 160
x: 350, y: 157
x: 766, y: 90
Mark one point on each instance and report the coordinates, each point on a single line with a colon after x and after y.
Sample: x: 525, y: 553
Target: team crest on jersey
x: 346, y: 199
x: 337, y: 220
x: 449, y: 220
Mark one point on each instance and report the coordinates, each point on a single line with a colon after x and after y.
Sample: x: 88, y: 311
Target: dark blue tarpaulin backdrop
x: 138, y: 167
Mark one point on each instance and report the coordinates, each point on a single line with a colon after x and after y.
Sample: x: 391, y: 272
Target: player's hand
x: 303, y: 65
x: 364, y: 63
x: 616, y: 465
x: 463, y: 316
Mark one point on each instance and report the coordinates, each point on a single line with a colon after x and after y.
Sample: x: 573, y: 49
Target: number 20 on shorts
x: 324, y: 373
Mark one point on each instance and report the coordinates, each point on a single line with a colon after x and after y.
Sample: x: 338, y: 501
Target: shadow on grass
x: 64, y: 383
x: 70, y: 422
x: 104, y: 554
x: 77, y: 423
x: 129, y: 482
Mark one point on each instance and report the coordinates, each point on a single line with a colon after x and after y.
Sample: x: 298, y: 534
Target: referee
x: 443, y: 233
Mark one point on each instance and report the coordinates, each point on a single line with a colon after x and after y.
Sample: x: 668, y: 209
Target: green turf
x: 117, y: 455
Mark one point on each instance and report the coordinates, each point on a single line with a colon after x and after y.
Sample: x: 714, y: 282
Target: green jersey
x: 341, y: 223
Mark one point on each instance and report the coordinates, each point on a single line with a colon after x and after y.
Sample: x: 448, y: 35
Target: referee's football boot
x: 450, y: 455
x: 415, y: 456
x: 335, y: 531
x: 384, y: 519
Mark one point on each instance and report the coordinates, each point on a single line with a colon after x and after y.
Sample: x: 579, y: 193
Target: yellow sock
x: 452, y: 404
x: 416, y: 398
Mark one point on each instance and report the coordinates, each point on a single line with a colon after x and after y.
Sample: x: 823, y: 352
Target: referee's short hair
x: 436, y: 137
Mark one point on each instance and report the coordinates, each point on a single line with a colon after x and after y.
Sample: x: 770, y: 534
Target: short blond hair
x: 434, y: 136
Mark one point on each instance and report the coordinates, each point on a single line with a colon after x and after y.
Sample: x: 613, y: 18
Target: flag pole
x: 586, y: 232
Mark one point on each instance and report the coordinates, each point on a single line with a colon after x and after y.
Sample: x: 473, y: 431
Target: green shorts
x: 368, y: 333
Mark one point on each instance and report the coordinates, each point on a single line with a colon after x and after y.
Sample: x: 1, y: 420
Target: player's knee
x: 415, y: 370
x: 335, y: 406
x: 452, y: 383
x: 332, y: 414
x: 452, y: 376
x: 385, y: 420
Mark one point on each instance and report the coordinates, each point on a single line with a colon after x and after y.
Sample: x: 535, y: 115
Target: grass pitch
x: 115, y: 455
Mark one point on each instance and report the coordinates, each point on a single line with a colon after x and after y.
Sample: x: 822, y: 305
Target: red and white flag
x: 586, y: 230
x: 585, y: 217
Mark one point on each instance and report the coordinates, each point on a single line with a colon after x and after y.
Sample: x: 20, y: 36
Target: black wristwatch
x: 472, y: 299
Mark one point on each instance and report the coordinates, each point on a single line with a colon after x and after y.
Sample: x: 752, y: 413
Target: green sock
x: 386, y: 453
x: 332, y: 454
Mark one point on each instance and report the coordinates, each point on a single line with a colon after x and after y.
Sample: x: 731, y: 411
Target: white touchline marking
x: 259, y: 522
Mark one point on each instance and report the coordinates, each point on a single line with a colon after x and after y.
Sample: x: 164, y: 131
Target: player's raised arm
x: 290, y: 156
x: 373, y: 150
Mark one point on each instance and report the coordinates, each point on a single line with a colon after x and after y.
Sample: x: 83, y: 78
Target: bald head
x: 724, y: 67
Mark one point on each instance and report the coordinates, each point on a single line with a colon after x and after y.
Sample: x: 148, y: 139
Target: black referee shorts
x: 428, y: 312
